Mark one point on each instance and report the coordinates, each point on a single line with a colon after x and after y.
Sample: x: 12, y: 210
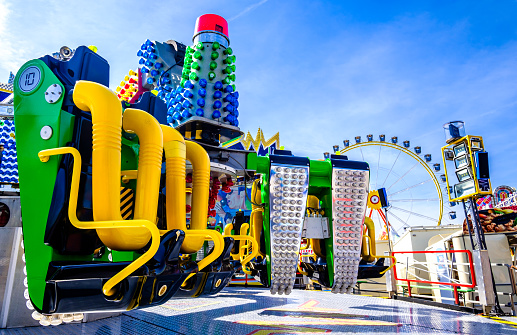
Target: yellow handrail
x: 218, y: 240
x: 109, y: 287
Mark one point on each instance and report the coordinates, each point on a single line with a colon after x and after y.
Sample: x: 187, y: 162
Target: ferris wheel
x: 413, y: 183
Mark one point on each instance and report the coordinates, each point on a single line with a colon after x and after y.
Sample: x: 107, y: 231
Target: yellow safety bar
x: 368, y: 248
x: 200, y: 161
x: 244, y: 250
x: 218, y: 240
x: 175, y: 155
x: 257, y: 212
x: 243, y: 232
x: 150, y: 156
x: 228, y: 229
x: 314, y: 202
x: 128, y: 175
x: 106, y: 112
x: 109, y: 287
x: 378, y: 256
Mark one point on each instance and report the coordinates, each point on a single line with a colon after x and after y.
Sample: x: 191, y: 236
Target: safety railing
x: 451, y: 264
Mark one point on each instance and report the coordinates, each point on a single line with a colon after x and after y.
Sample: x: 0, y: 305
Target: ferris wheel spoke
x: 411, y: 200
x: 401, y: 177
x: 362, y: 156
x: 413, y: 213
x: 378, y: 162
x: 410, y: 187
x: 400, y: 220
x: 391, y: 169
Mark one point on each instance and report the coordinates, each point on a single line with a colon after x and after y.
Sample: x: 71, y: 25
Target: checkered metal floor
x: 256, y: 311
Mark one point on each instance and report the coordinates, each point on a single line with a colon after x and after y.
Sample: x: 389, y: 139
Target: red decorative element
x: 229, y: 181
x: 225, y: 188
x: 211, y: 22
x: 189, y: 209
x: 216, y: 182
x: 188, y: 178
x: 212, y: 213
x: 211, y: 203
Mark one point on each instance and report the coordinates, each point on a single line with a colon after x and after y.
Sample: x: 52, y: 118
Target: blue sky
x: 318, y: 71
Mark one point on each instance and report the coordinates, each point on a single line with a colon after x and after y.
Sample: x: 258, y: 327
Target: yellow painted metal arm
x: 106, y: 112
x: 200, y: 161
x: 108, y: 288
x: 150, y: 138
x: 175, y: 155
x: 128, y: 175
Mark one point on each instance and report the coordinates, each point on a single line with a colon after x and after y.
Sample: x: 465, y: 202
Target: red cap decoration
x: 211, y: 23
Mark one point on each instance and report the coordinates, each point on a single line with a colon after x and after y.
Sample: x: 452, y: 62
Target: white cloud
x: 248, y: 9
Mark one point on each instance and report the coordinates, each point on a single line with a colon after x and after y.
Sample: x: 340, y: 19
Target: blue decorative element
x: 187, y: 104
x: 146, y: 55
x: 153, y: 56
x: 144, y: 70
x: 200, y: 112
x: 203, y: 83
x: 176, y: 116
x: 228, y: 118
x: 169, y: 119
x: 188, y: 94
x: 189, y: 84
x: 143, y: 47
x: 140, y: 53
x: 228, y: 89
x: 158, y: 65
x: 149, y: 63
x: 235, y: 103
x: 217, y: 104
x: 216, y: 114
x: 186, y: 114
x: 236, y: 123
x: 170, y: 111
x: 235, y: 95
x: 154, y: 73
x: 201, y: 102
x: 218, y: 95
x: 141, y: 61
x: 202, y: 92
x: 218, y: 85
x: 228, y: 108
x: 178, y: 108
x: 228, y: 98
x: 236, y: 113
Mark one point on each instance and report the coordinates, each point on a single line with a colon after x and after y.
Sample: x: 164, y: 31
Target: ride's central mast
x: 205, y: 105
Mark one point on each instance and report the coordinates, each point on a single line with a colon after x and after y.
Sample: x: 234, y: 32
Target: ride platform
x: 256, y: 311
